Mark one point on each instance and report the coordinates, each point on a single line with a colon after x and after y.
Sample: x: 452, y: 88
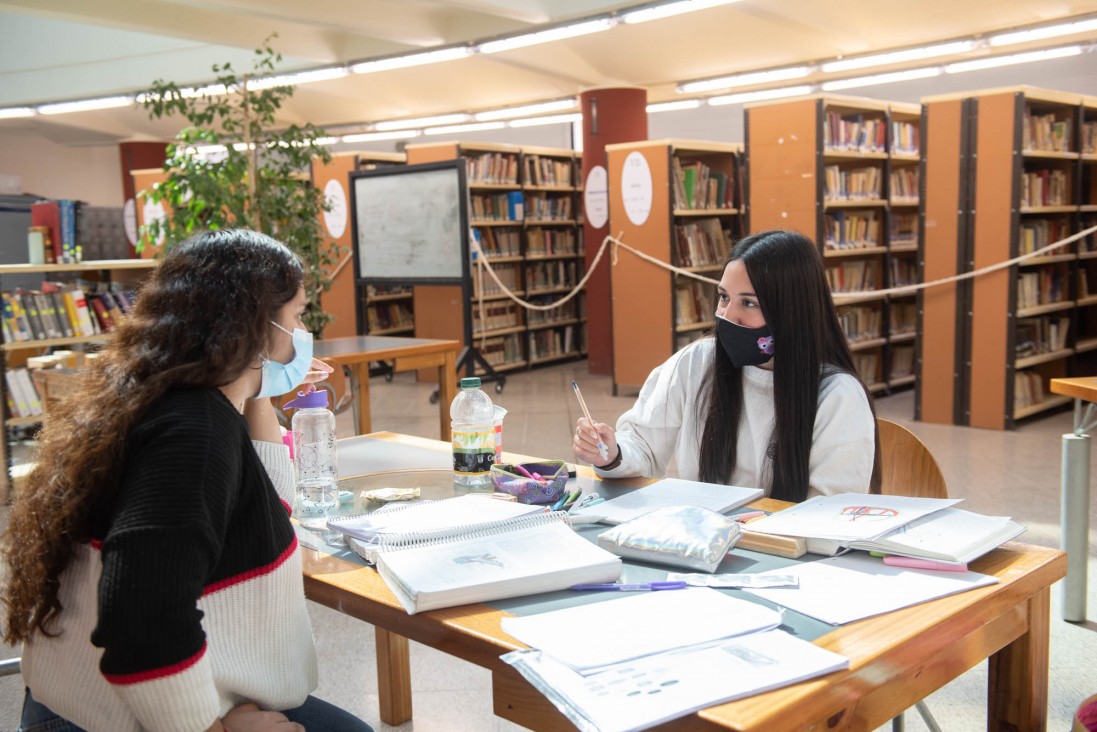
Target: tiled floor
x: 1015, y: 473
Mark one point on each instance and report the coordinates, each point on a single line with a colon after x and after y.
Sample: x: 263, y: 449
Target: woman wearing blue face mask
x: 772, y: 401
x: 153, y: 573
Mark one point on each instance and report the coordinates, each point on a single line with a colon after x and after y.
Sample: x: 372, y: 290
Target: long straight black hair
x: 787, y: 274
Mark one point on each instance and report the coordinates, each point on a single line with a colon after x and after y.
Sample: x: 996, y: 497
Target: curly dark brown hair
x: 201, y: 319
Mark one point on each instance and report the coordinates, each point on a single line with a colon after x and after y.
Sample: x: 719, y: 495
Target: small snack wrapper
x: 541, y: 482
x: 386, y: 495
x: 680, y: 536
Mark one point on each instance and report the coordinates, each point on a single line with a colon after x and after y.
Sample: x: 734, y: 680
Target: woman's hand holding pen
x: 584, y: 442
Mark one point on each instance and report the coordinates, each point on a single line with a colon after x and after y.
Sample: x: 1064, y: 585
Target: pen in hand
x: 586, y: 413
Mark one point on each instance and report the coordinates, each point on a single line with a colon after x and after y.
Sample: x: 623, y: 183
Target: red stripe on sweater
x: 252, y: 573
x: 289, y: 508
x: 156, y: 673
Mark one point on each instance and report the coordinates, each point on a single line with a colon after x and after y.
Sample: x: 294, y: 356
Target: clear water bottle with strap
x: 315, y: 460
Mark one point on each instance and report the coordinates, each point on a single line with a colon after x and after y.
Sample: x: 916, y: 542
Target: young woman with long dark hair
x: 772, y: 401
x: 153, y: 573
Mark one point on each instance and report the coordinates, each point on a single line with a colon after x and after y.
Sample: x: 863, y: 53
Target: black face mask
x: 744, y: 346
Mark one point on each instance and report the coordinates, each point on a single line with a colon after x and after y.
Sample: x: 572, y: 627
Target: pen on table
x: 747, y: 516
x: 586, y: 413
x: 633, y: 587
x: 568, y: 497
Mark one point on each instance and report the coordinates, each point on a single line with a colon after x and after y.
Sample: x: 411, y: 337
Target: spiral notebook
x: 511, y: 558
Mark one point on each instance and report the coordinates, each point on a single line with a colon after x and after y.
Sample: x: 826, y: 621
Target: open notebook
x: 671, y: 492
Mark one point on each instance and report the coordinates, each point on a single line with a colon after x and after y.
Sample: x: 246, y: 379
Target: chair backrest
x: 907, y: 466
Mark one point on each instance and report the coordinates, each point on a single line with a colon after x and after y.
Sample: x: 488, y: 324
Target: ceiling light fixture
x: 894, y: 57
x: 547, y: 36
x: 1017, y: 58
x: 302, y: 77
x: 759, y: 96
x: 666, y: 10
x: 412, y: 59
x: 373, y: 136
x: 455, y: 129
x: 14, y: 112
x: 527, y: 110
x: 553, y: 119
x: 907, y: 75
x: 673, y: 106
x: 420, y: 122
x: 85, y: 105
x: 755, y: 77
x: 1049, y: 31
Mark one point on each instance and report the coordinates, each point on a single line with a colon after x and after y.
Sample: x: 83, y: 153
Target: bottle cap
x: 470, y: 382
x: 318, y: 398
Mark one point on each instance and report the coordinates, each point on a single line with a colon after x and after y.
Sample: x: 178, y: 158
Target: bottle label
x: 473, y: 451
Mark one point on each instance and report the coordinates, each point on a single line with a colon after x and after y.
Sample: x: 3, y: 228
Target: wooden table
x: 406, y: 354
x: 895, y: 659
x: 1074, y: 489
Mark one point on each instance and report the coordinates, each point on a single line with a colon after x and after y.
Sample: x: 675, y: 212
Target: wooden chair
x: 908, y: 469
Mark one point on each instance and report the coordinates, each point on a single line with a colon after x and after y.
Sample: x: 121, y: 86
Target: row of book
x: 904, y: 185
x: 493, y: 168
x: 904, y: 229
x: 60, y: 311
x: 571, y: 310
x: 1084, y: 289
x: 1042, y: 286
x: 867, y: 364
x: 1044, y: 188
x: 903, y: 272
x: 1038, y: 233
x: 495, y: 315
x: 507, y: 274
x: 386, y: 290
x: 541, y: 171
x: 902, y: 318
x: 550, y: 275
x: 548, y: 208
x: 56, y: 221
x: 1089, y: 137
x: 497, y: 206
x: 851, y: 230
x: 544, y: 242
x: 857, y: 275
x: 695, y: 302
x: 1045, y: 132
x: 1028, y: 389
x: 502, y: 350
x: 861, y: 323
x: 22, y: 395
x: 1034, y: 336
x: 389, y: 316
x: 701, y: 243
x: 901, y: 364
x: 697, y: 186
x: 854, y: 133
x: 554, y: 343
x: 905, y: 138
x: 851, y: 184
x: 499, y: 241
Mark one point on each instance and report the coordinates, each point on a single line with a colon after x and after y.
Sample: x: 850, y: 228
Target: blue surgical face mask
x: 282, y: 378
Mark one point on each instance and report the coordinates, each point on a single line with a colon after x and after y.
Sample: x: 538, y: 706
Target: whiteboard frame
x: 458, y: 167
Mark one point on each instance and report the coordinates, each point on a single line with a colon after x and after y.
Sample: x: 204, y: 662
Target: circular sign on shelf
x: 596, y: 197
x: 335, y: 220
x: 636, y: 188
x: 155, y: 212
x: 129, y: 221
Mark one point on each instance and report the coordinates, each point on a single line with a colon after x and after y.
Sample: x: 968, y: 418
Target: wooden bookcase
x: 846, y: 171
x: 1028, y: 185
x: 524, y: 211
x: 679, y: 201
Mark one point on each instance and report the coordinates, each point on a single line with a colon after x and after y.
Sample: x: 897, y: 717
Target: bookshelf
x: 1020, y: 150
x: 524, y: 210
x: 689, y: 213
x: 847, y: 172
x: 14, y: 352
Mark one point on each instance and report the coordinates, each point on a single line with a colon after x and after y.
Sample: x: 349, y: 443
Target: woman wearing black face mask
x: 773, y: 401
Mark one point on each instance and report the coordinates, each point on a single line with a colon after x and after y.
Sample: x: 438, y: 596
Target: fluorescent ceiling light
x: 412, y: 59
x: 668, y: 9
x: 418, y: 122
x: 1050, y: 31
x: 371, y: 136
x: 474, y: 127
x: 13, y: 112
x: 555, y: 119
x: 526, y: 111
x: 85, y: 105
x: 546, y: 36
x: 1017, y: 58
x: 757, y: 77
x: 894, y: 57
x: 242, y: 146
x: 881, y: 78
x: 303, y: 77
x: 759, y: 96
x: 325, y: 141
x: 673, y: 106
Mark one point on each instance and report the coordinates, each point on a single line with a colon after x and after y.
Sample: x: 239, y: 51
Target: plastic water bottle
x: 314, y: 457
x: 472, y: 419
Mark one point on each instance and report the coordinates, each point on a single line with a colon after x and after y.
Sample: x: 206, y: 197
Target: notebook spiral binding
x: 417, y: 539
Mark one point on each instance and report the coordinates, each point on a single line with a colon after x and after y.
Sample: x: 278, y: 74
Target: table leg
x: 1018, y: 674
x: 447, y: 389
x: 361, y: 376
x: 393, y: 677
x: 1075, y: 524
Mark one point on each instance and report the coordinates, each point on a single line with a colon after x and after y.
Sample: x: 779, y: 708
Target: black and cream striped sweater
x: 189, y: 600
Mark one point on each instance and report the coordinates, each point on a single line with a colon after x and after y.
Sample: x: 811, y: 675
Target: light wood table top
x: 1080, y: 387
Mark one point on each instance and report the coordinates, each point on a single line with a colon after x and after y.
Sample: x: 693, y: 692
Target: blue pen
x: 633, y: 587
x: 567, y: 498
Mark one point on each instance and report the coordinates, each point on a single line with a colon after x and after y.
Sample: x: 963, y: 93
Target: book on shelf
x: 854, y: 132
x: 1045, y: 132
x: 924, y: 528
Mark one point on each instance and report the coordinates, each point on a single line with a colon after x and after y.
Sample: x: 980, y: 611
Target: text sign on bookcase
x: 411, y: 224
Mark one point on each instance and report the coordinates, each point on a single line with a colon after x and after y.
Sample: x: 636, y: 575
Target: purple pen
x: 525, y: 472
x: 632, y: 587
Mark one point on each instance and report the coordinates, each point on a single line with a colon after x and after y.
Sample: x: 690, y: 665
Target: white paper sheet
x: 588, y: 637
x: 848, y: 516
x: 842, y: 589
x: 671, y: 492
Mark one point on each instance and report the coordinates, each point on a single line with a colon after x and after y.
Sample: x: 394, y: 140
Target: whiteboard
x: 411, y: 223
